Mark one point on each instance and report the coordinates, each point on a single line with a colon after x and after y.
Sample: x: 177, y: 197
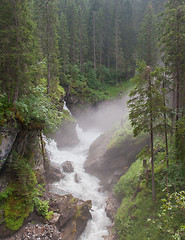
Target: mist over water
x: 88, y: 186
x: 95, y: 121
x: 104, y: 115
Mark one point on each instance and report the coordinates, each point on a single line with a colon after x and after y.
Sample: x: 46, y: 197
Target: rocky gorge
x: 70, y: 216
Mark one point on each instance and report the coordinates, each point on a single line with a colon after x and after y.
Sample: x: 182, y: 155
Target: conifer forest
x: 68, y: 67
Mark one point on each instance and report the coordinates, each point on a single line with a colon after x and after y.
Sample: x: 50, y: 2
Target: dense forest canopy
x: 77, y: 45
x: 54, y: 40
x: 77, y: 50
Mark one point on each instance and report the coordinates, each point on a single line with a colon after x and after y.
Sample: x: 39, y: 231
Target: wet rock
x: 110, y: 163
x: 74, y: 215
x: 54, y: 174
x: 66, y: 135
x: 112, y: 205
x: 7, y: 139
x: 76, y: 178
x: 67, y: 167
x: 112, y: 235
x: 4, y: 231
x: 54, y: 218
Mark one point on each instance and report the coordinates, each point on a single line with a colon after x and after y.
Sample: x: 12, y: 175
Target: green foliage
x: 146, y: 102
x: 90, y: 74
x: 16, y: 209
x: 5, y: 193
x: 138, y: 216
x: 22, y: 195
x: 128, y: 182
x: 37, y: 111
x: 180, y: 138
x: 147, y: 41
x: 120, y: 135
x: 26, y: 179
x: 80, y: 85
x: 171, y: 216
x: 131, y: 218
x: 42, y: 208
x: 6, y: 110
x: 176, y: 177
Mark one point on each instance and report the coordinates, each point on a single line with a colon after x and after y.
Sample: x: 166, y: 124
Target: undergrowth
x: 138, y: 216
x: 22, y: 195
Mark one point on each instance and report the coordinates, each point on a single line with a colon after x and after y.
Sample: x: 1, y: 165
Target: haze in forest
x: 105, y: 115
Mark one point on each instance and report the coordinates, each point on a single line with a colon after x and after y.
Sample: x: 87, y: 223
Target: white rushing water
x: 87, y: 188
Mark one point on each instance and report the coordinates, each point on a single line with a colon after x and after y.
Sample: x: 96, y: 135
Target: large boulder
x: 54, y: 174
x: 109, y: 162
x: 70, y: 217
x: 67, y: 167
x: 74, y: 214
x: 66, y: 136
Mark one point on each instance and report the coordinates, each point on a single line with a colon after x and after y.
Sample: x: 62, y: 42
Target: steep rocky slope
x: 109, y: 158
x: 25, y: 170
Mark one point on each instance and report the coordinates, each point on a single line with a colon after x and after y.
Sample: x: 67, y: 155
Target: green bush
x: 16, y: 209
x: 37, y: 111
x: 172, y: 215
x: 42, y: 208
x: 138, y: 216
x: 22, y: 195
x: 6, y: 110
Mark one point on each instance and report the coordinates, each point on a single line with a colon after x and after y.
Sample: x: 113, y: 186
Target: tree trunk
x: 151, y: 135
x: 94, y: 38
x: 116, y: 44
x: 177, y: 86
x: 166, y: 134
x: 16, y: 86
x: 48, y: 52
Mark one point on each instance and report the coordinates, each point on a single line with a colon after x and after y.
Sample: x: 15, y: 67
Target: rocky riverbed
x: 70, y: 217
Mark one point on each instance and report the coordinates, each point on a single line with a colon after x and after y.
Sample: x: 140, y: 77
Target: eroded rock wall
x: 70, y: 214
x: 109, y: 163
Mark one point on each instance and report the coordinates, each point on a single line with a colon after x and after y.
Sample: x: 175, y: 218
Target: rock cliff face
x: 70, y: 215
x: 7, y: 139
x: 109, y: 163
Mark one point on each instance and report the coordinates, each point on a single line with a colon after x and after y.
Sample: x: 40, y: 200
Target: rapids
x: 88, y: 186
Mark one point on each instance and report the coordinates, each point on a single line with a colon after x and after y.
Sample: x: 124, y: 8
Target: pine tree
x: 47, y: 21
x: 146, y: 108
x: 17, y: 47
x: 63, y: 34
x: 147, y: 42
x: 173, y: 48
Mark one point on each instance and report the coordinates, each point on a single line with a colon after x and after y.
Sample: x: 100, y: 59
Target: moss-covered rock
x: 111, y: 155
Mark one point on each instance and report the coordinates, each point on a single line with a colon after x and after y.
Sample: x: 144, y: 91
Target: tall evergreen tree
x: 63, y: 34
x: 173, y: 48
x: 47, y: 21
x: 17, y: 46
x: 146, y: 108
x: 147, y: 42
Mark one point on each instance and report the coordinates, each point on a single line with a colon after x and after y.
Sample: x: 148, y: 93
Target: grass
x: 113, y: 91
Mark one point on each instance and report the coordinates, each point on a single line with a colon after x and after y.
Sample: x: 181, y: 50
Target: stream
x: 88, y: 185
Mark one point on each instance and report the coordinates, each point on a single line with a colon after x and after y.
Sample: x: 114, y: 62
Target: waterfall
x: 87, y: 187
